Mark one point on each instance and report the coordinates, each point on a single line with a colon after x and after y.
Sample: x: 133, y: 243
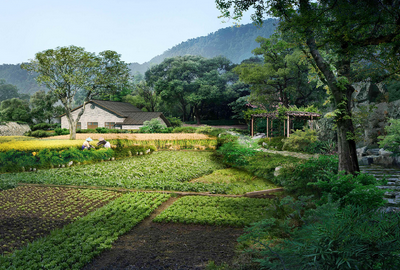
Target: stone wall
x: 13, y: 129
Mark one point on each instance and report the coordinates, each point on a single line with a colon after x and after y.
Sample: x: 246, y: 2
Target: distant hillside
x: 235, y: 43
x: 13, y: 74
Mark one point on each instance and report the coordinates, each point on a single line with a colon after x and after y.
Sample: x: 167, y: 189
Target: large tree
x: 43, y: 106
x: 190, y: 81
x: 15, y: 109
x: 282, y: 78
x: 68, y: 70
x: 335, y: 34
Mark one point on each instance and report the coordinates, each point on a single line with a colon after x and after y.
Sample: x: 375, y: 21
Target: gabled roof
x: 138, y: 118
x: 122, y: 109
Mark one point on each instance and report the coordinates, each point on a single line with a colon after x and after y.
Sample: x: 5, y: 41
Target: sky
x: 136, y: 29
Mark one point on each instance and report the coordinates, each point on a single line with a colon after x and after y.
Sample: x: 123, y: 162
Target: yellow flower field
x: 37, y: 145
x: 137, y: 136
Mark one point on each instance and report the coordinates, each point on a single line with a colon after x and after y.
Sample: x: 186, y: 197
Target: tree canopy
x: 68, y: 70
x: 334, y: 34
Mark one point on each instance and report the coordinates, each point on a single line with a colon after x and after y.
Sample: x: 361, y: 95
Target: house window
x: 92, y: 125
x: 79, y: 125
x: 109, y: 125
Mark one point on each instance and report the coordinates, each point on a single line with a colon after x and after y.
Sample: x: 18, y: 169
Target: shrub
x: 332, y: 238
x: 102, y: 130
x: 235, y: 154
x: 295, y: 178
x: 348, y: 189
x: 299, y: 140
x: 184, y: 130
x: 322, y: 147
x: 152, y: 126
x: 274, y: 143
x: 225, y: 138
x: 392, y: 140
x: 174, y: 121
x: 39, y: 134
x: 61, y: 131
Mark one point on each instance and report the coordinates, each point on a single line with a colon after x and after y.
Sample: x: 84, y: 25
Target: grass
x: 243, y: 180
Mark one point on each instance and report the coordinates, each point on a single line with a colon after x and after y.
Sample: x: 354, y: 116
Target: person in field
x: 104, y: 143
x: 87, y: 145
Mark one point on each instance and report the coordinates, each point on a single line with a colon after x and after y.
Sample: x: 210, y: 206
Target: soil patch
x: 169, y: 246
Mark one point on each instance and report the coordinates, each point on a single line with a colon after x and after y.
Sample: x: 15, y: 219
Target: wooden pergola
x: 286, y: 124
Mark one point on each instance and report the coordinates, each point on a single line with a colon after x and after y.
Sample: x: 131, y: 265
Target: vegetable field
x: 28, y: 213
x: 77, y: 243
x: 221, y: 211
x: 159, y: 171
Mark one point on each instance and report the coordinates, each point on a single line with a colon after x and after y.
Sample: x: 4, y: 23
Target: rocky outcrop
x: 13, y: 129
x: 377, y: 156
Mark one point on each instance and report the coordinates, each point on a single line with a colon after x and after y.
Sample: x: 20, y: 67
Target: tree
x: 334, y: 34
x: 7, y: 91
x: 43, y: 106
x: 68, y: 70
x: 15, y: 109
x: 282, y: 78
x: 148, y: 95
x: 190, y: 81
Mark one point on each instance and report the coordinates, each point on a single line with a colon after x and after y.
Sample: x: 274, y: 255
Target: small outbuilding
x: 112, y: 115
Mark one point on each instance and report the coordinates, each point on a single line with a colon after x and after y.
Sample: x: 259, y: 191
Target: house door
x: 92, y: 125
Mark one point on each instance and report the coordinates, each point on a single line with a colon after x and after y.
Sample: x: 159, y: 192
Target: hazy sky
x: 136, y: 29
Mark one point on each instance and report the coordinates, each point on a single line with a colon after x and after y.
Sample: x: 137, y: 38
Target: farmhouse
x: 112, y: 114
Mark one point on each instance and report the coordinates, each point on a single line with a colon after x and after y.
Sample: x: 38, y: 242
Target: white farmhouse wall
x: 131, y: 126
x: 93, y: 113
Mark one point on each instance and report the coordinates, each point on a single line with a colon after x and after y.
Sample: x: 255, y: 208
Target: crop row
x: 138, y: 136
x: 221, y: 211
x: 77, y: 243
x: 27, y: 213
x: 159, y: 171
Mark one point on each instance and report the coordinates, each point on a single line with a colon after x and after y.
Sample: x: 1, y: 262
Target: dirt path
x: 169, y: 246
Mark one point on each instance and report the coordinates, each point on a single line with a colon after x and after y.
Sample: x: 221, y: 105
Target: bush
x: 61, y: 131
x: 225, y: 138
x: 322, y: 147
x: 235, y: 154
x: 295, y: 178
x: 332, y: 238
x: 152, y: 126
x: 299, y: 140
x: 102, y: 130
x: 174, y: 121
x: 184, y: 130
x: 274, y: 143
x: 348, y: 189
x: 39, y: 134
x: 392, y: 140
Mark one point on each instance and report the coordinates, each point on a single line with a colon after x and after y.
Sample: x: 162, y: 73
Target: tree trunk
x: 341, y: 92
x: 196, y: 111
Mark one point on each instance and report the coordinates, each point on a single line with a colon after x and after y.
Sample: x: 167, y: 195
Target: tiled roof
x: 119, y: 108
x: 138, y: 118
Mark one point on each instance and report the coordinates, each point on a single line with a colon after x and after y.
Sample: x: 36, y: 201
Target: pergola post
x: 252, y: 126
x: 288, y: 126
x: 267, y: 127
x: 312, y: 123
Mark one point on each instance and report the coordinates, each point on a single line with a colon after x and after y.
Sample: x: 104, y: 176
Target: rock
x: 372, y: 152
x: 383, y: 160
x: 364, y: 161
x: 13, y: 129
x: 70, y: 163
x: 361, y: 151
x: 259, y: 136
x: 383, y: 152
x: 277, y: 169
x: 148, y: 151
x: 113, y: 158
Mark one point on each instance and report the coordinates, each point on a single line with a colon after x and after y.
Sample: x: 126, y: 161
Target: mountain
x: 235, y: 43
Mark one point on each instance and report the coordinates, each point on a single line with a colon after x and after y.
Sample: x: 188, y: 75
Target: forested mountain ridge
x: 235, y: 43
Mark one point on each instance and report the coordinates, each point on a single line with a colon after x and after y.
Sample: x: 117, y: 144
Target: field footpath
x: 253, y: 194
